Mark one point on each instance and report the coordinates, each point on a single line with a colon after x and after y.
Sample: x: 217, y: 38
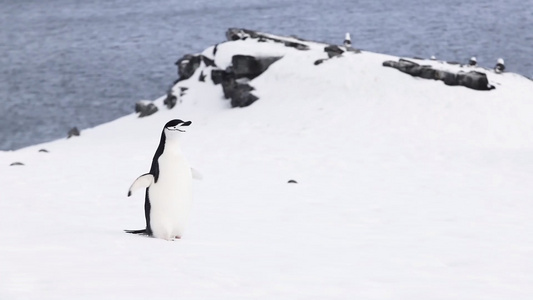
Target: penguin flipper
x: 143, y: 181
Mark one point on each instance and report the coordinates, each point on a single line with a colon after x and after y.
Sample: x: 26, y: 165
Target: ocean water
x: 82, y: 63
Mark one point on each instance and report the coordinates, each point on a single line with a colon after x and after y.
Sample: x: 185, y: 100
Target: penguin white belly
x: 170, y: 197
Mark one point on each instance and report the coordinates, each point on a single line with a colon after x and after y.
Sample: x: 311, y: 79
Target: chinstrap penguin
x: 168, y: 187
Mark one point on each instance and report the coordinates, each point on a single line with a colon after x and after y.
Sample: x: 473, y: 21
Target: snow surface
x: 407, y: 189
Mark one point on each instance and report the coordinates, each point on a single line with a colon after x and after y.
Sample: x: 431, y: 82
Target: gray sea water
x: 81, y: 63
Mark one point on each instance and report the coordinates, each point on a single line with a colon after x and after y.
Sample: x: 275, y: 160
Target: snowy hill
x: 407, y: 189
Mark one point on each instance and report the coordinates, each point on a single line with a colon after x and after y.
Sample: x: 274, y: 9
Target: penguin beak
x: 176, y: 128
x: 183, y: 124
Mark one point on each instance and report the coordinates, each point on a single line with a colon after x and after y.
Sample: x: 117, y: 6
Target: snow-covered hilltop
x: 406, y: 187
x: 247, y: 54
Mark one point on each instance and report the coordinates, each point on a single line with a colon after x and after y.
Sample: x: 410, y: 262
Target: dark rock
x: 208, y: 62
x: 228, y: 84
x: 74, y: 131
x: 183, y: 90
x: 215, y: 50
x: 250, y: 66
x: 241, y: 96
x: 292, y: 181
x: 319, y: 61
x: 414, y: 70
x: 44, y: 150
x: 475, y: 80
x: 448, y: 78
x: 234, y: 34
x: 333, y: 50
x: 428, y: 72
x: 298, y: 46
x: 202, y: 76
x: 404, y: 65
x: 145, y: 108
x: 17, y: 163
x: 170, y: 101
x: 389, y: 63
x: 187, y: 65
x: 239, y: 93
x: 216, y: 75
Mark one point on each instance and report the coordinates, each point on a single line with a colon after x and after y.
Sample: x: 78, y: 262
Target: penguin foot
x: 139, y: 232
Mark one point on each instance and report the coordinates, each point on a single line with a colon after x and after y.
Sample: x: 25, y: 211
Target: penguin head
x: 175, y: 127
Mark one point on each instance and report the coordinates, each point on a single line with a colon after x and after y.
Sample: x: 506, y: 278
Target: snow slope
x: 407, y: 189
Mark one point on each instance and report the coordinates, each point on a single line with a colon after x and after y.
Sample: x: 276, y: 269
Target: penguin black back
x: 154, y: 169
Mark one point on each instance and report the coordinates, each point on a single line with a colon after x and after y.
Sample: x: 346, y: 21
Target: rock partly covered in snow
x: 74, y: 131
x: 472, y: 79
x: 242, y: 66
x: 234, y: 66
x: 187, y: 65
x: 247, y: 66
x: 234, y: 34
x: 145, y: 108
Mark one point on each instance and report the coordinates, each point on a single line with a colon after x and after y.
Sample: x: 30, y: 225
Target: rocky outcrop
x: 208, y: 62
x: 234, y: 34
x: 241, y: 95
x: 170, y: 101
x: 473, y: 79
x: 187, y: 65
x: 333, y: 50
x: 74, y: 131
x: 201, y: 78
x: 228, y: 82
x: 249, y: 66
x: 234, y: 79
x: 145, y: 108
x: 235, y: 89
x: 217, y: 75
